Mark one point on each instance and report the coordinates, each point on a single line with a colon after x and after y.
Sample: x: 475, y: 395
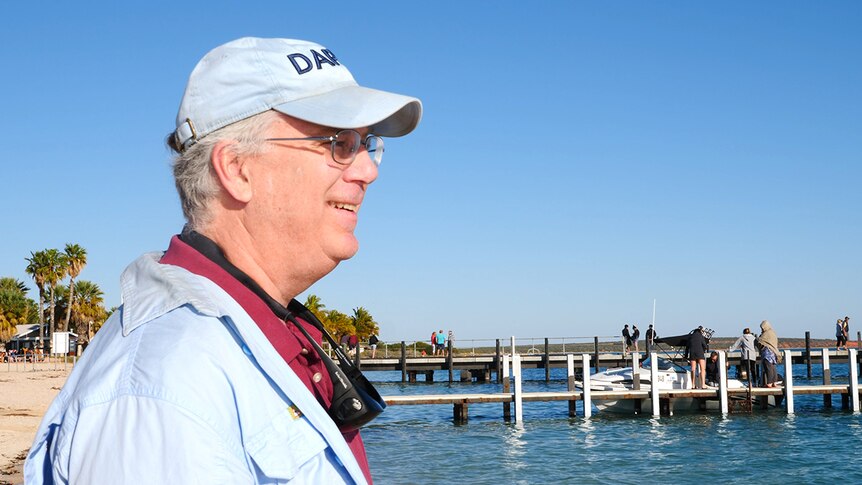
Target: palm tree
x: 338, y: 324
x: 313, y: 303
x: 88, y: 309
x: 54, y: 271
x: 36, y: 265
x: 12, y: 284
x: 364, y: 323
x: 15, y: 308
x: 76, y: 259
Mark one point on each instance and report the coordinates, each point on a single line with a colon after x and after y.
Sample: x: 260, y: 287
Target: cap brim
x: 386, y: 114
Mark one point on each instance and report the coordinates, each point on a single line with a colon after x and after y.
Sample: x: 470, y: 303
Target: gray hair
x: 194, y: 175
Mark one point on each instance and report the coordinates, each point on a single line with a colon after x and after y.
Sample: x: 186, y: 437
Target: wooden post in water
x: 854, y: 381
x: 827, y: 378
x: 449, y: 359
x: 570, y: 384
x: 403, y: 362
x: 808, y: 353
x: 547, y: 362
x: 459, y: 411
x: 788, y: 381
x: 596, y: 352
x: 498, y: 363
x: 588, y: 401
x: 653, y: 367
x: 507, y: 406
x: 514, y: 351
x: 519, y: 404
x: 722, y: 381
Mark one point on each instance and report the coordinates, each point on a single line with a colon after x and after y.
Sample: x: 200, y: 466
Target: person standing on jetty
x: 636, y: 334
x: 650, y: 338
x: 697, y: 348
x: 768, y: 344
x: 846, y: 326
x: 627, y: 340
x: 840, y: 335
x: 211, y: 371
x: 749, y: 354
x: 441, y: 342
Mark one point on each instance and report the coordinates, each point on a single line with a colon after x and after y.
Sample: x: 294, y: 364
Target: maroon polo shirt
x: 287, y: 340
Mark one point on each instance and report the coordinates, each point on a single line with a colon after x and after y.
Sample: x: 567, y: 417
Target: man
x: 712, y: 374
x: 697, y: 347
x: 748, y: 355
x: 372, y: 343
x: 627, y: 340
x: 636, y: 335
x: 650, y: 338
x: 210, y: 371
x: 441, y: 342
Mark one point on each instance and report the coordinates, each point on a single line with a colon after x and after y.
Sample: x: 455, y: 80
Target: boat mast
x: 653, y: 315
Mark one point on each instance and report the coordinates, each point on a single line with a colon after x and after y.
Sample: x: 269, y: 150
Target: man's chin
x: 345, y: 250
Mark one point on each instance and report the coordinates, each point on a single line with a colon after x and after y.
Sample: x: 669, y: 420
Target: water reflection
x: 515, y: 448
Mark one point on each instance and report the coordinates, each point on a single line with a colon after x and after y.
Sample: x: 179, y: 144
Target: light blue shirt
x: 181, y: 386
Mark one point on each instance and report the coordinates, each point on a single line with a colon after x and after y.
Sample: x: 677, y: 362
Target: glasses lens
x: 345, y: 146
x: 374, y: 146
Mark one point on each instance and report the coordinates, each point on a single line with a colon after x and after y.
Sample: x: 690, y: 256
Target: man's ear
x: 232, y: 171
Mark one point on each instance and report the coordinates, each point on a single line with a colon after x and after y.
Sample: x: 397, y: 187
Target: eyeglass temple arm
x: 321, y: 138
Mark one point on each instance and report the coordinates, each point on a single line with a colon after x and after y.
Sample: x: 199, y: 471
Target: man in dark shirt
x: 627, y: 340
x: 697, y: 348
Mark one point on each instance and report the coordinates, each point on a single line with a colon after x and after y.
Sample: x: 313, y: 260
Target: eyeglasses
x: 345, y: 145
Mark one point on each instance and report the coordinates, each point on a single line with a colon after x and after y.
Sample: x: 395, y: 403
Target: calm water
x: 420, y: 444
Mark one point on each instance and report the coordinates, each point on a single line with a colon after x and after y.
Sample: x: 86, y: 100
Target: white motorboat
x: 670, y: 376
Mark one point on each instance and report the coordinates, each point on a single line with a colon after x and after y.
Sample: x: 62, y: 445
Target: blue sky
x: 576, y: 160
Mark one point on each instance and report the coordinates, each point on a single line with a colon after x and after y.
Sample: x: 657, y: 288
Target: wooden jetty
x: 482, y: 368
x: 662, y: 400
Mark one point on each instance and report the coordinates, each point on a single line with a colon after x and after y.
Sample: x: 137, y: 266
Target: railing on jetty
x: 662, y: 400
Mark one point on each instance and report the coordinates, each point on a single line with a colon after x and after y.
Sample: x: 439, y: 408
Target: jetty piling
x: 654, y: 394
x: 636, y: 379
x: 596, y: 353
x: 403, y: 362
x: 507, y: 406
x: 788, y: 382
x: 827, y: 378
x: 547, y: 361
x: 854, y: 381
x: 519, y: 403
x: 570, y: 384
x: 449, y: 359
x: 498, y: 363
x: 722, y: 381
x: 808, y: 352
x: 588, y: 403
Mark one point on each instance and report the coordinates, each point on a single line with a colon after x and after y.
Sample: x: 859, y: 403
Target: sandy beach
x: 24, y: 398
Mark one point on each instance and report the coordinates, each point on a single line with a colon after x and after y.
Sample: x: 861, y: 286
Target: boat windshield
x: 664, y: 364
